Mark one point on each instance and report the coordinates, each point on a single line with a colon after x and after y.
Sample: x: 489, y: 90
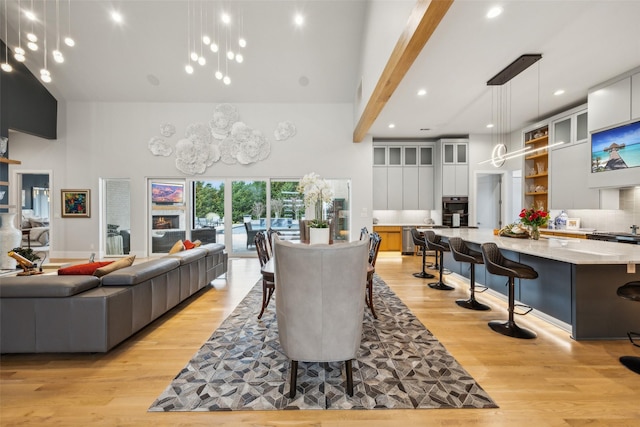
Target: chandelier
x: 35, y: 31
x: 216, y: 30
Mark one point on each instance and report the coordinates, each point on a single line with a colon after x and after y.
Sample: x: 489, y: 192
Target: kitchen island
x: 577, y: 282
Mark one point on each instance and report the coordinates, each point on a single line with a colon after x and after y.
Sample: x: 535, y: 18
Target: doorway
x: 489, y: 197
x: 34, y: 212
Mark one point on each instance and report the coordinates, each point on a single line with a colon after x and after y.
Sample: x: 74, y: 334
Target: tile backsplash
x: 414, y: 217
x: 619, y: 220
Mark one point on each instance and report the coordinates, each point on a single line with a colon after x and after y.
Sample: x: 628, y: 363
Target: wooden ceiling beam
x: 422, y: 23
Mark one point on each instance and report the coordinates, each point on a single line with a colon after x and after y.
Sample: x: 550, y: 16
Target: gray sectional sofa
x: 73, y: 314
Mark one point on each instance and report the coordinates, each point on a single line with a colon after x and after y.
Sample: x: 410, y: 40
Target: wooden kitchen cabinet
x: 391, y: 237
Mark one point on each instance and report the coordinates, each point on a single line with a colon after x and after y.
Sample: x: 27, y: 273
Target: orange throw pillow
x: 188, y: 244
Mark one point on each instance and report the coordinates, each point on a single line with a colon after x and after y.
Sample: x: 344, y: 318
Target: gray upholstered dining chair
x: 319, y: 303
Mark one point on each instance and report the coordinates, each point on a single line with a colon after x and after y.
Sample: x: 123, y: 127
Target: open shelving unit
x: 536, y: 167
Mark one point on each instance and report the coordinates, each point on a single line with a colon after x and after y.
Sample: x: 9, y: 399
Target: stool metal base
x: 440, y: 286
x: 631, y: 362
x: 510, y: 329
x: 423, y: 275
x: 472, y: 304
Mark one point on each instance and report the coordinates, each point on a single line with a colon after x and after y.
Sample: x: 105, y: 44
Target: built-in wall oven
x: 455, y: 211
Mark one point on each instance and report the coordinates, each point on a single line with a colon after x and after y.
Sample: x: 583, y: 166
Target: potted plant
x: 316, y: 192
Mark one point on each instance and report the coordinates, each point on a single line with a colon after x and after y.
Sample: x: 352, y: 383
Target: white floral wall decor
x: 284, y: 130
x: 197, y: 150
x: 167, y: 130
x: 159, y: 147
x: 244, y: 145
x: 224, y: 116
x: 224, y: 138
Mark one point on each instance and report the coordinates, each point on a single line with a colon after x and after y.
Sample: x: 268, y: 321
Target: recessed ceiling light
x: 558, y: 92
x: 490, y: 125
x: 226, y: 18
x: 30, y: 15
x: 298, y: 20
x: 391, y: 125
x: 116, y: 16
x: 422, y: 92
x: 494, y: 11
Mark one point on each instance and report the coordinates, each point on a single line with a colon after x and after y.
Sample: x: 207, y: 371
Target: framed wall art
x: 76, y: 203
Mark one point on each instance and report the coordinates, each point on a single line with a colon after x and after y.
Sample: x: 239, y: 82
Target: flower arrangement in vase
x: 316, y: 191
x: 534, y: 218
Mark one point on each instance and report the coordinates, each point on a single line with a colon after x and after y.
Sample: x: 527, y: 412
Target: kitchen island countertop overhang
x: 572, y: 251
x: 577, y: 281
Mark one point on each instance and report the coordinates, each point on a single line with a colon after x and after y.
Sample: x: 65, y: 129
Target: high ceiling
x: 583, y: 43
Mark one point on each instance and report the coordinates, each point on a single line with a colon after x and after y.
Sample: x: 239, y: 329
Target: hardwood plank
x: 549, y: 381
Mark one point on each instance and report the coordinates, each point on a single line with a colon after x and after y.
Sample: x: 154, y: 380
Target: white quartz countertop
x: 573, y: 251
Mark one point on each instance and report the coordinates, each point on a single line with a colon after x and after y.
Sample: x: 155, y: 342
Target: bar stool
x: 418, y: 240
x: 434, y: 244
x: 631, y: 291
x: 462, y: 253
x: 501, y: 266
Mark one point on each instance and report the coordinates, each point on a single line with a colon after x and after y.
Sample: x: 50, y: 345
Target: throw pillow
x: 83, y: 269
x: 197, y: 243
x: 121, y: 263
x: 189, y: 245
x: 177, y: 247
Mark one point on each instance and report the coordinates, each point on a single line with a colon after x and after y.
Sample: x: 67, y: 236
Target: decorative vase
x: 535, y: 232
x: 318, y: 236
x: 10, y: 238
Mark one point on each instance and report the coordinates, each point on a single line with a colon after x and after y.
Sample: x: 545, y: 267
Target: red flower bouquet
x: 534, y: 217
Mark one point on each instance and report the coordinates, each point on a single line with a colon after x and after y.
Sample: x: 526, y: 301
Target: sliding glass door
x: 248, y: 214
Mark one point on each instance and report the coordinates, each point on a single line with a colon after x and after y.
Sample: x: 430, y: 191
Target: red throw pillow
x: 83, y: 269
x: 188, y: 244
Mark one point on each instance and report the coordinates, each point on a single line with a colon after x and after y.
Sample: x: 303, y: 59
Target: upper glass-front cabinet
x: 454, y: 153
x: 395, y: 156
x: 426, y: 156
x: 407, y: 155
x: 379, y: 156
x: 410, y: 156
x: 571, y: 129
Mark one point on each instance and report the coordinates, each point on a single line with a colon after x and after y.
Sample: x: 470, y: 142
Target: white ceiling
x: 583, y: 43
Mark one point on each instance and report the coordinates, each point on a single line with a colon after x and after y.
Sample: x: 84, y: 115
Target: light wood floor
x: 549, y: 381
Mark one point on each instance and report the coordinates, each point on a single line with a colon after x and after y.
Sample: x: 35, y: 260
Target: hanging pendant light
x: 68, y: 40
x: 6, y: 67
x: 45, y: 75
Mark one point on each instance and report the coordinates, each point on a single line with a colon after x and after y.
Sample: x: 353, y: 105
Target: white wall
x: 109, y: 140
x: 386, y: 19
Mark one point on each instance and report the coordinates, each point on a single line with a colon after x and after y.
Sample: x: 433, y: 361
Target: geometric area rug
x: 400, y: 365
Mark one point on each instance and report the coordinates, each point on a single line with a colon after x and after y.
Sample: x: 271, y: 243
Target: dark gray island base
x: 577, y: 282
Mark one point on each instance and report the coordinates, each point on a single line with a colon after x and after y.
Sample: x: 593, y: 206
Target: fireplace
x: 164, y: 222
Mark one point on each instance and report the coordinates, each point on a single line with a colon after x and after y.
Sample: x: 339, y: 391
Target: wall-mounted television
x: 162, y: 193
x: 615, y: 149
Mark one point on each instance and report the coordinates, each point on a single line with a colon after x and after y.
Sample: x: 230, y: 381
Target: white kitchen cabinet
x: 379, y: 188
x: 610, y: 105
x: 454, y: 153
x: 570, y: 129
x: 455, y: 169
x: 403, y: 177
x: 410, y: 188
x: 635, y: 96
x: 455, y: 180
x: 568, y: 178
x: 425, y: 188
x: 394, y: 188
